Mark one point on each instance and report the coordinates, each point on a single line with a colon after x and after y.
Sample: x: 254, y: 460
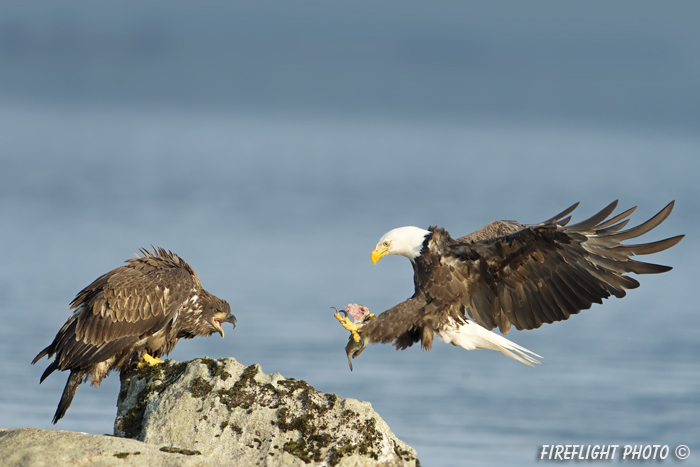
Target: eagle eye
x: 385, y: 243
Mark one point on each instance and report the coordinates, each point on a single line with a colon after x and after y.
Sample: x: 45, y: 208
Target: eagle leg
x: 149, y: 361
x: 352, y: 327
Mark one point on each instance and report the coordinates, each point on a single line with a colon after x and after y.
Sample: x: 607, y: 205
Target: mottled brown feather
x: 142, y: 307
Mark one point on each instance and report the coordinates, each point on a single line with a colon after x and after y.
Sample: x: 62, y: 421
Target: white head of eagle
x: 404, y: 241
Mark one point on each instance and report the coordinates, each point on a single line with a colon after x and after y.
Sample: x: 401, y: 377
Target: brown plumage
x: 142, y: 308
x: 509, y: 274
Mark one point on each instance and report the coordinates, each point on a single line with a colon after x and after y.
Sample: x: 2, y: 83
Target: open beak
x: 218, y: 322
x: 378, y: 253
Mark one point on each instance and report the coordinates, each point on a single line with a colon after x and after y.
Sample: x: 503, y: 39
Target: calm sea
x: 278, y: 215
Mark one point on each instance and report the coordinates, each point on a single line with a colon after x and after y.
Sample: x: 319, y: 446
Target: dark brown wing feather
x: 492, y: 230
x: 131, y: 300
x: 546, y: 272
x: 397, y: 323
x: 117, y: 308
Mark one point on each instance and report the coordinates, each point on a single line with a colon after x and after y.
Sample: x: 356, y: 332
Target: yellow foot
x: 347, y: 324
x: 149, y: 361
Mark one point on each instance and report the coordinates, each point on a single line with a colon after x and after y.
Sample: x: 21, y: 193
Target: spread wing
x: 546, y: 272
x: 398, y: 322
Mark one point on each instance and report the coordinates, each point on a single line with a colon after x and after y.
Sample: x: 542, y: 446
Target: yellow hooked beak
x: 378, y: 253
x: 219, y: 321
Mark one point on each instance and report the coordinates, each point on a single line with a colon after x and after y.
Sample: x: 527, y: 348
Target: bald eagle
x: 505, y: 274
x: 138, y: 311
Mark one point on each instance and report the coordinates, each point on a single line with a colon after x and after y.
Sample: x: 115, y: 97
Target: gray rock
x: 31, y: 447
x: 218, y: 413
x: 238, y: 415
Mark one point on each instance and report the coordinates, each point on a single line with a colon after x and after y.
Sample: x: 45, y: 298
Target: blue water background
x: 271, y: 148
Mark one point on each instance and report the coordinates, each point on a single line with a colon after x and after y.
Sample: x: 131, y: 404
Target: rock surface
x: 32, y: 447
x: 211, y: 413
x: 238, y: 415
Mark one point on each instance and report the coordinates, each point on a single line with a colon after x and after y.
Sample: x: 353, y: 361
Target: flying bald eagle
x: 505, y: 274
x: 138, y: 311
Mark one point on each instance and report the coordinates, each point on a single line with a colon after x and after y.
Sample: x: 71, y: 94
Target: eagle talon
x: 350, y: 326
x: 148, y: 361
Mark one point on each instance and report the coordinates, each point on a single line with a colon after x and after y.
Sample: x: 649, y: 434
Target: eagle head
x: 216, y: 312
x: 404, y: 241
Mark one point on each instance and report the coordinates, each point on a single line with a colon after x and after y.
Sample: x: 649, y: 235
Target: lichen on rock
x: 224, y: 409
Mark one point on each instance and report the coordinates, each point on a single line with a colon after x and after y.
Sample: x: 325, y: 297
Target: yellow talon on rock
x: 350, y: 326
x: 149, y: 361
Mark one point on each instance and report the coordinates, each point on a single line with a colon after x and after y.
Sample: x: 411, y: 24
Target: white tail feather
x: 471, y: 336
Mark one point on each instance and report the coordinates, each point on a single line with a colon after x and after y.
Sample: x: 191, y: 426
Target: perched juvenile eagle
x: 134, y: 312
x: 505, y: 274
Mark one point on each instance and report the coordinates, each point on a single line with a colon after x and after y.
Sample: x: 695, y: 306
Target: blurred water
x: 278, y: 215
x: 634, y: 61
x: 271, y: 144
